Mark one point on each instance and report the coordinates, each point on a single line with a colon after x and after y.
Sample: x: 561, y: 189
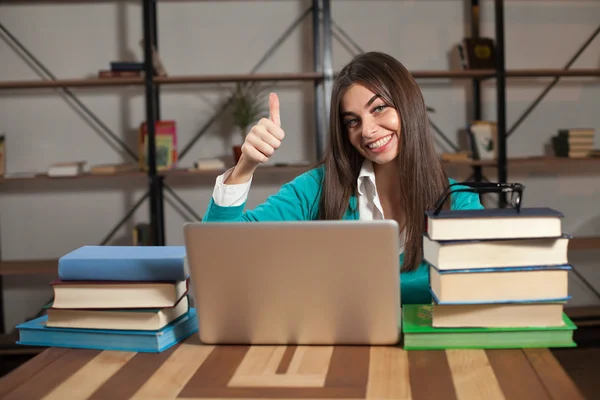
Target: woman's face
x: 373, y: 127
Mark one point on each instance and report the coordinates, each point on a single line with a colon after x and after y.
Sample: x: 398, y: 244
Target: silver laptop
x: 309, y: 282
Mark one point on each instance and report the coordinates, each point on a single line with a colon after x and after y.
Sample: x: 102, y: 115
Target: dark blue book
x: 124, y: 263
x: 494, y: 223
x: 126, y: 66
x: 36, y: 333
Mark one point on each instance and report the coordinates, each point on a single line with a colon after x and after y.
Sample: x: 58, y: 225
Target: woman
x: 380, y: 163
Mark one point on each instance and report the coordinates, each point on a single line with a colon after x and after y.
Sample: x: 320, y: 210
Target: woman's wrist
x: 242, y: 172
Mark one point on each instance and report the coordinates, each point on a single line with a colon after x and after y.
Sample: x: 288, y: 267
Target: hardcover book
x: 419, y: 334
x: 165, y: 133
x: 37, y: 333
x: 494, y: 223
x: 124, y: 263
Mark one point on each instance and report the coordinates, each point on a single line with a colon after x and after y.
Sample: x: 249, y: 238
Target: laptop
x: 295, y: 282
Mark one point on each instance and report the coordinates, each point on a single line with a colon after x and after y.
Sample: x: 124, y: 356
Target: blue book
x: 36, y: 333
x: 124, y: 263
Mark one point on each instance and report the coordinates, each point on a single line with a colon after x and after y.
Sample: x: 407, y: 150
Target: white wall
x: 46, y: 220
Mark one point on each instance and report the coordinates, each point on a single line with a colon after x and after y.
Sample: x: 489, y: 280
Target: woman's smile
x: 381, y: 145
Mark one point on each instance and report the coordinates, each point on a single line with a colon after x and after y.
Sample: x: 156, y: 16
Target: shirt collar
x: 366, y: 174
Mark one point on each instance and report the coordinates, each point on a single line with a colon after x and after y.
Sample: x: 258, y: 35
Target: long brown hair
x: 422, y: 177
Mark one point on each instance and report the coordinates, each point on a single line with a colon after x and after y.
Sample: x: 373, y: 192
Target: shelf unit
x: 322, y: 77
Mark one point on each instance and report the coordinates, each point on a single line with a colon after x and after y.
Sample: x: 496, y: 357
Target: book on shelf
x: 106, y: 73
x: 165, y: 145
x: 66, y: 169
x: 573, y: 143
x: 108, y: 169
x: 473, y: 53
x: 126, y: 66
x: 208, y: 164
x: 479, y: 52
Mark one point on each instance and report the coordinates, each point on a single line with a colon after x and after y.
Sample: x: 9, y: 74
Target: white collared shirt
x: 369, y: 205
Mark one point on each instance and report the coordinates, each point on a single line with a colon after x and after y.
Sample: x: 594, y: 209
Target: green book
x: 419, y: 334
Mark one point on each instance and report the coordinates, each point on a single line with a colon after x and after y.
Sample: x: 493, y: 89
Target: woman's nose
x: 369, y: 128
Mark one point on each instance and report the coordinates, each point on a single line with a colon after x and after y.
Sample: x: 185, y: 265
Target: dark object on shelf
x: 479, y: 53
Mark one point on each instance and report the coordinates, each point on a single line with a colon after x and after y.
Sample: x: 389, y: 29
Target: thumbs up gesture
x: 265, y: 137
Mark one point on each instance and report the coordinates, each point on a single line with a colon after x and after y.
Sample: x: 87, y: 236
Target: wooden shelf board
x: 45, y: 177
x: 85, y: 82
x: 167, y: 173
x: 456, y: 74
x: 29, y: 267
x: 300, y: 76
x: 584, y: 243
x: 291, y: 169
x: 532, y: 73
x: 297, y: 169
x: 524, y: 161
x: 105, y: 82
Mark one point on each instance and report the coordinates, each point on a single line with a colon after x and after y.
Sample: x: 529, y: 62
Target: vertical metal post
x: 501, y: 97
x: 155, y: 44
x: 475, y: 19
x: 327, y: 63
x: 318, y: 84
x: 155, y: 181
x: 2, y: 327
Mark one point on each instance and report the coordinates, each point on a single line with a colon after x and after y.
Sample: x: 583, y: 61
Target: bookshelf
x: 321, y: 76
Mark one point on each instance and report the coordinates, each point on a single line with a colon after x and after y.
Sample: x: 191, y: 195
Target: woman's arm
x: 464, y: 200
x: 295, y: 200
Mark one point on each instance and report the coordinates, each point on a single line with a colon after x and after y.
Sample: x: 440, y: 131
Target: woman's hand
x: 261, y: 142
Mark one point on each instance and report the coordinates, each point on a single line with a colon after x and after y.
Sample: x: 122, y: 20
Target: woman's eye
x: 379, y: 108
x: 350, y: 122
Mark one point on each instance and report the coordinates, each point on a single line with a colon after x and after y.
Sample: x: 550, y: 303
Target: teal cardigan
x: 299, y: 200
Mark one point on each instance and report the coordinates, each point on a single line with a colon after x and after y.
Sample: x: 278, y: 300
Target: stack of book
x: 130, y: 298
x: 498, y: 278
x: 574, y: 143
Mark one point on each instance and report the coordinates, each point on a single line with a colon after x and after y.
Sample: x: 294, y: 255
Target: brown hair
x: 422, y: 180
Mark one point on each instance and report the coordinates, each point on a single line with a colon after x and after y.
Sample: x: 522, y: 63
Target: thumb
x: 274, y: 109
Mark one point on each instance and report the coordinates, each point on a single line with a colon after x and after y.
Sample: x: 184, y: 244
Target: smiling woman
x: 380, y: 164
x: 379, y: 123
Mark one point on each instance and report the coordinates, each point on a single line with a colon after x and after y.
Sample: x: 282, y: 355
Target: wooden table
x: 193, y: 370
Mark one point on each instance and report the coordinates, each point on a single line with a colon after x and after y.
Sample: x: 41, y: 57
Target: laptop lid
x: 295, y: 282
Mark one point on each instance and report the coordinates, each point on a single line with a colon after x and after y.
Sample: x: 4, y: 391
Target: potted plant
x: 248, y: 105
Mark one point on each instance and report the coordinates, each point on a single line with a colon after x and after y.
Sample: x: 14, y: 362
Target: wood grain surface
x: 191, y: 370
